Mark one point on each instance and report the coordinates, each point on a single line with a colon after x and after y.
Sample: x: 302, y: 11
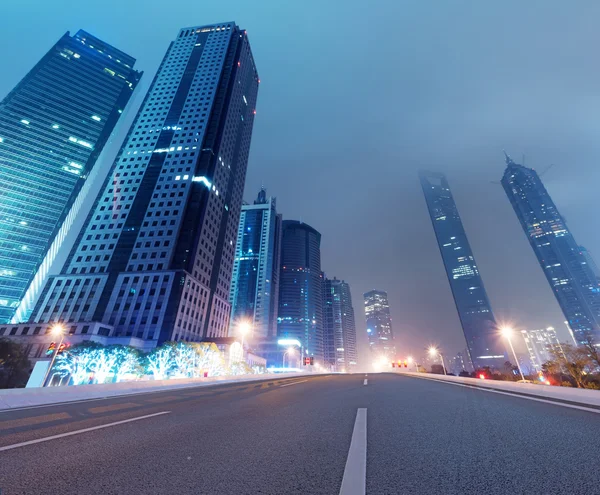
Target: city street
x: 303, y: 435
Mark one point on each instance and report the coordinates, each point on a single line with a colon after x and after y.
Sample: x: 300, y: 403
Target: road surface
x: 303, y: 436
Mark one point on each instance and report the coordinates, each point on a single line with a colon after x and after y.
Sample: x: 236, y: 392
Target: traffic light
x: 393, y: 364
x: 61, y: 348
x: 405, y: 363
x: 307, y: 361
x: 312, y: 360
x: 51, y: 348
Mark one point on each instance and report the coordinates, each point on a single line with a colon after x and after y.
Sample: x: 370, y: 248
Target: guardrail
x: 575, y: 396
x: 27, y: 397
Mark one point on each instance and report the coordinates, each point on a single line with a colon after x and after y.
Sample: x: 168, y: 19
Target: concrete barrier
x: 27, y: 397
x: 575, y: 396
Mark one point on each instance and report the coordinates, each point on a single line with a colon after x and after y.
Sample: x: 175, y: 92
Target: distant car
x: 524, y: 381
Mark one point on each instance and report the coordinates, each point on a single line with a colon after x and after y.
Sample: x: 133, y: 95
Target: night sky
x: 357, y: 96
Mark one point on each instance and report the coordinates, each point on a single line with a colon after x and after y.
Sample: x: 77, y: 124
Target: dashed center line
x: 366, y: 382
x: 354, y: 481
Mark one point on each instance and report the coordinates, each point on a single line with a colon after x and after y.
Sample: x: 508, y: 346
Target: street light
x: 411, y: 361
x: 244, y: 329
x: 56, y: 330
x: 433, y: 351
x: 507, y: 333
x: 290, y: 351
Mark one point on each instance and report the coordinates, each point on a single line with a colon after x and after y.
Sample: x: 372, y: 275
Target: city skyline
x: 467, y: 149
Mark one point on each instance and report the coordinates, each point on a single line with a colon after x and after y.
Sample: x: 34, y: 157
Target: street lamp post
x: 434, y: 351
x: 413, y: 361
x: 244, y: 329
x: 289, y: 351
x: 57, y: 330
x: 507, y: 333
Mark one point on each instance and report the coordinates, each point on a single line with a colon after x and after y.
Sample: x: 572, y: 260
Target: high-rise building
x: 53, y: 127
x: 153, y: 262
x: 301, y: 288
x: 539, y: 344
x: 571, y: 278
x: 483, y: 338
x: 339, y: 327
x: 254, y: 295
x: 590, y: 261
x: 379, y: 326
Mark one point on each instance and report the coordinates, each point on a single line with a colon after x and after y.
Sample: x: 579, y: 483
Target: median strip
x: 77, y: 432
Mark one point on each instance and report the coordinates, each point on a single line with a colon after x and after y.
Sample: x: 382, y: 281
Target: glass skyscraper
x: 300, y: 288
x: 339, y: 327
x: 539, y: 344
x: 254, y: 295
x: 379, y: 325
x: 571, y: 277
x: 153, y: 262
x: 53, y: 126
x: 484, y: 341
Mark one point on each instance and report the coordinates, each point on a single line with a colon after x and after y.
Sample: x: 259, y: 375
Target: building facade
x: 571, y: 278
x: 339, y: 327
x: 483, y: 338
x: 539, y: 343
x: 153, y: 262
x: 301, y: 288
x: 254, y: 295
x: 379, y: 325
x: 53, y: 127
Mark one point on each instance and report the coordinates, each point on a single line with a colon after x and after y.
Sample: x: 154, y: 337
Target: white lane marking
x: 572, y: 406
x: 294, y: 383
x: 354, y: 481
x: 366, y: 381
x: 77, y: 432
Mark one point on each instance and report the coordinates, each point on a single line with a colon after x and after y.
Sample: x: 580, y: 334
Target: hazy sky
x: 356, y: 96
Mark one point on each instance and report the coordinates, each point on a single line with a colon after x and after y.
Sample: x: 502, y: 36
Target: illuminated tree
x: 184, y: 358
x: 128, y: 362
x: 160, y: 361
x: 76, y: 362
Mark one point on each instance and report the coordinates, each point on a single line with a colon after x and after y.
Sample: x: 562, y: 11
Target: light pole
x: 57, y: 330
x: 507, y: 333
x: 289, y: 351
x: 411, y: 361
x: 433, y: 352
x: 244, y: 329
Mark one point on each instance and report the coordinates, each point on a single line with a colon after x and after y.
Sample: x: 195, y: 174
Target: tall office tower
x: 379, y: 325
x: 539, y: 343
x: 53, y: 127
x: 571, y: 278
x: 339, y: 327
x: 154, y: 259
x: 254, y: 294
x: 484, y: 341
x: 590, y: 261
x: 301, y: 288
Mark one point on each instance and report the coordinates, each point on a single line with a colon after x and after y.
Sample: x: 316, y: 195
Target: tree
x: 184, y: 355
x: 77, y: 362
x: 589, y: 344
x: 159, y: 361
x: 128, y: 361
x: 572, y: 361
x: 14, y: 364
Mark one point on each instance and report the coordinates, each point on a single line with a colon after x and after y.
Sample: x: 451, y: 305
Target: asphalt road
x: 294, y: 436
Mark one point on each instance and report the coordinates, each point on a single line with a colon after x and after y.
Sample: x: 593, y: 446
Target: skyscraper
x: 254, y: 295
x: 479, y: 326
x: 154, y: 260
x: 53, y: 127
x: 379, y: 325
x: 300, y: 288
x: 539, y: 343
x: 571, y: 278
x: 339, y: 327
x: 590, y: 261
